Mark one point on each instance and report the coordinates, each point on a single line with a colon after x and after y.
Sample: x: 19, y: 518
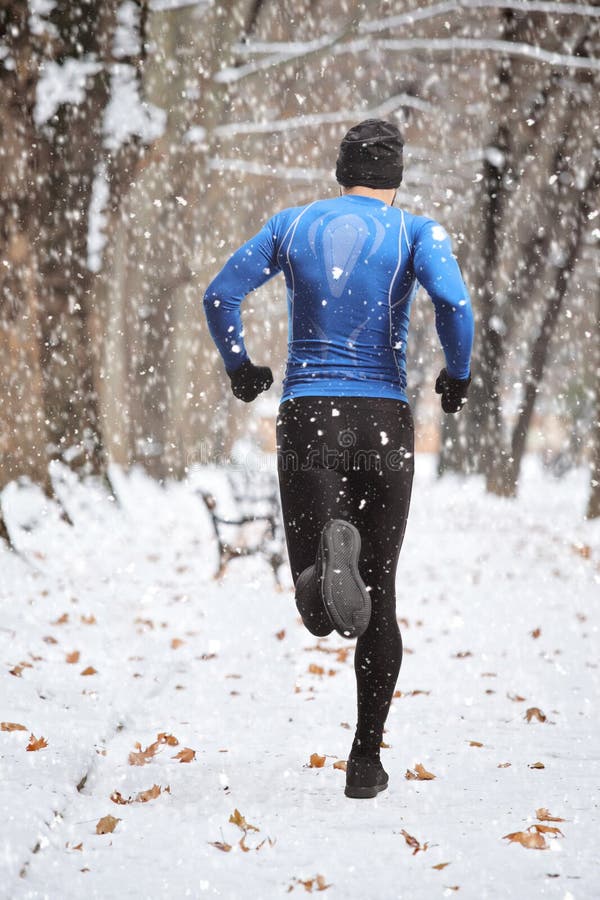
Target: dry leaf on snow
x: 220, y: 845
x: 90, y: 670
x: 163, y: 738
x: 532, y: 840
x: 441, y: 865
x: 36, y: 743
x: 139, y: 757
x: 547, y: 829
x: 420, y: 774
x: 107, y: 825
x: 236, y: 818
x: 186, y: 755
x: 73, y: 657
x: 475, y: 744
x: 536, y: 765
x: 141, y: 797
x: 544, y: 816
x: 413, y: 842
x: 309, y: 883
x: 316, y: 761
x: 11, y: 726
x: 535, y: 713
x: 280, y: 634
x: 176, y: 643
x: 16, y: 670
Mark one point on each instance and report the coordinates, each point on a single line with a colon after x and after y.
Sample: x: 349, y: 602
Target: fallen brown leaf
x: 88, y: 620
x: 62, y: 620
x: 90, y: 670
x: 280, y: 634
x: 151, y: 794
x: 314, y: 669
x: 316, y: 761
x: 186, y: 755
x: 413, y: 842
x: 536, y: 632
x: 107, y: 825
x: 36, y: 743
x: 535, y: 713
x: 308, y: 884
x: 176, y: 643
x: 547, y: 829
x: 220, y: 845
x: 583, y: 550
x: 529, y: 839
x: 236, y: 818
x: 475, y: 744
x: 420, y: 774
x: 462, y: 654
x: 163, y: 738
x: 139, y: 757
x: 441, y: 865
x: 536, y: 765
x: 544, y: 816
x: 11, y: 726
x: 504, y: 765
x: 16, y: 670
x: 242, y: 843
x: 516, y: 698
x: 73, y: 657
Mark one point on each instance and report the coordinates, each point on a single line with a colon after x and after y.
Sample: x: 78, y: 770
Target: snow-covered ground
x: 498, y: 604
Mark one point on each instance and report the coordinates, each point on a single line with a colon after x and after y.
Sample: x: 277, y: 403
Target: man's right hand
x: 248, y: 381
x: 453, y: 390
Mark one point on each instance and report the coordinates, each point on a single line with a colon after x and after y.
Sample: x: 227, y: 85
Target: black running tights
x: 352, y: 458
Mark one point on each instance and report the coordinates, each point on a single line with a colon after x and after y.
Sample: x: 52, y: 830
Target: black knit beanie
x: 371, y: 155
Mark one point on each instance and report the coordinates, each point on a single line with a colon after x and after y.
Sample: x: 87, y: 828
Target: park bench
x: 255, y: 527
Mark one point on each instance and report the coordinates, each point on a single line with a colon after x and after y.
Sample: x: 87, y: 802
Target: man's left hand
x: 453, y: 390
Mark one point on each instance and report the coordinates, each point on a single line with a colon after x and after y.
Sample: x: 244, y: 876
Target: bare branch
x: 508, y: 48
x: 312, y: 119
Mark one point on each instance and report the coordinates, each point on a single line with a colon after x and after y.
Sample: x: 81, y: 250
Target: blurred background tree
x: 142, y: 142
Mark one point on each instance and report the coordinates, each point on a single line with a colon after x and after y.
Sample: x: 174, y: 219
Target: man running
x: 345, y: 439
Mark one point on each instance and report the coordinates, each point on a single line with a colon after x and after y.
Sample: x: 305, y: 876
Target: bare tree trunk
x: 70, y: 154
x: 573, y: 232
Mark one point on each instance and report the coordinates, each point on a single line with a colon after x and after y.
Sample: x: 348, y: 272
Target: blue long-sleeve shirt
x: 351, y: 266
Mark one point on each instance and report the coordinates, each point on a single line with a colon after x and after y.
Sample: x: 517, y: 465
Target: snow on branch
x: 312, y: 119
x: 289, y: 173
x: 509, y: 48
x: 291, y: 51
x: 451, y: 6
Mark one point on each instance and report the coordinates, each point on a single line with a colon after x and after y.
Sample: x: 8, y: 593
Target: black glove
x: 453, y: 390
x: 249, y: 380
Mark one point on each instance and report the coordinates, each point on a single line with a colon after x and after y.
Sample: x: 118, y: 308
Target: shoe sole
x: 363, y: 793
x: 304, y: 607
x: 345, y: 596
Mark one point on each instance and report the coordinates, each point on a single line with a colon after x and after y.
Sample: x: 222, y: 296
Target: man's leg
x: 381, y: 504
x: 313, y: 490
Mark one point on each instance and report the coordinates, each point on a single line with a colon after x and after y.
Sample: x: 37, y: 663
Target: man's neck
x: 386, y: 195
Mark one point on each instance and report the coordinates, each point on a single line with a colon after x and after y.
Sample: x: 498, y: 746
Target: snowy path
x: 225, y: 670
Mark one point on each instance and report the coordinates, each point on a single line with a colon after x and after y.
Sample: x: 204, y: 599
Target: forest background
x: 142, y: 142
